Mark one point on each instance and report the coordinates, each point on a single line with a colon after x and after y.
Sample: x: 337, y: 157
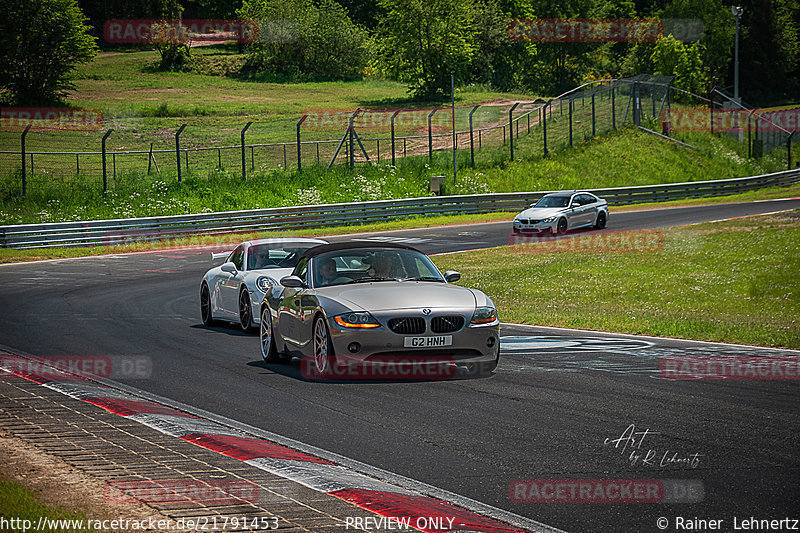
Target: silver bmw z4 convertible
x: 364, y: 301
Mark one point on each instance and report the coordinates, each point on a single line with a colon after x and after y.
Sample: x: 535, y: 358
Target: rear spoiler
x: 219, y: 255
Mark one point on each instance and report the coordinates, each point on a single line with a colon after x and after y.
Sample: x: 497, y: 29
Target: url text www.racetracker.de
x: 202, y: 523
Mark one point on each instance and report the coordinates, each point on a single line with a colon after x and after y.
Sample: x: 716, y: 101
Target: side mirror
x: 229, y: 267
x: 292, y: 282
x: 452, y: 276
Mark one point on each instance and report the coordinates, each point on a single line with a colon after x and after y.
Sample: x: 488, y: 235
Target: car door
x: 228, y: 283
x: 591, y: 204
x: 290, y: 310
x: 575, y: 213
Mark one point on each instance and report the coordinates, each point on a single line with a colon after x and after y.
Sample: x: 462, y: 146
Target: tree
x: 305, y: 39
x: 423, y: 41
x: 41, y: 43
x: 672, y: 57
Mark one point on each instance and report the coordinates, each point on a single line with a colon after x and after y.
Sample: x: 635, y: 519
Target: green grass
x: 733, y: 281
x: 17, y: 501
x: 622, y: 158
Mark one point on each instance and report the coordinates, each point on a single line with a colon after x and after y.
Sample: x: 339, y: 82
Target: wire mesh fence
x: 125, y: 148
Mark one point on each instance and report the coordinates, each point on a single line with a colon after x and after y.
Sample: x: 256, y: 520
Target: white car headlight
x: 265, y: 284
x: 484, y: 316
x: 549, y: 219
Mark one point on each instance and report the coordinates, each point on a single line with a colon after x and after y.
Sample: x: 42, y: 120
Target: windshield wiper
x: 421, y: 278
x: 372, y: 278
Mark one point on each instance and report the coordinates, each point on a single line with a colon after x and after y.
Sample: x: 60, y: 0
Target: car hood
x: 390, y: 295
x: 540, y: 213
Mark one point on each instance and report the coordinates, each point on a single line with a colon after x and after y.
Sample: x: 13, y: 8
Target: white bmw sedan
x: 560, y: 212
x: 233, y: 291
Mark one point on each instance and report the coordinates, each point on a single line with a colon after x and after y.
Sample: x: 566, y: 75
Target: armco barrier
x: 130, y: 230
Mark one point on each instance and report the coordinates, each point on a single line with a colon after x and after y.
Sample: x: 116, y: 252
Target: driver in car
x: 328, y: 275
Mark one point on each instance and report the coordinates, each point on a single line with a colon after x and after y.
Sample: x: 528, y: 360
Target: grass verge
x: 734, y: 281
x: 19, y: 503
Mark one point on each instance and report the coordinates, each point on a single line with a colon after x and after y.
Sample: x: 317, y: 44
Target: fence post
x: 24, y: 169
x: 430, y: 135
x: 613, y: 109
x: 570, y: 121
x: 471, y: 136
x: 593, y: 118
x: 298, y: 140
x: 150, y: 159
x: 103, y: 144
x: 511, y: 128
x: 394, y: 115
x: 177, y: 150
x: 544, y: 125
x: 711, y: 108
x: 653, y: 95
x: 789, y: 151
x: 749, y: 129
x: 244, y: 163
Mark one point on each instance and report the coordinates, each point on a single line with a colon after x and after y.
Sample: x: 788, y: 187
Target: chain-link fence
x: 127, y: 148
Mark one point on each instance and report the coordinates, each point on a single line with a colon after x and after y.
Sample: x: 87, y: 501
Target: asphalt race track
x: 560, y: 405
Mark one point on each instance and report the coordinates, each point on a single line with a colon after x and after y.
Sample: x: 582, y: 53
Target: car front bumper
x: 520, y: 227
x: 467, y: 345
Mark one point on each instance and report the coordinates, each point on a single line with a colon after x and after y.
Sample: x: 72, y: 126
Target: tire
x: 324, y: 358
x: 600, y: 223
x: 245, y: 311
x: 561, y: 226
x: 269, y: 351
x: 205, y: 305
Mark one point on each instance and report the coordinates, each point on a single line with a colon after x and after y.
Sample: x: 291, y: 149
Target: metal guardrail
x: 131, y: 230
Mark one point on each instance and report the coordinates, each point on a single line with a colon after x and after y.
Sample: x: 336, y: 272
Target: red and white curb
x: 383, y: 493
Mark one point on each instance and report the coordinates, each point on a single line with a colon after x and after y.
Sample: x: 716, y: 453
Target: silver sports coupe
x: 560, y: 212
x: 233, y: 291
x: 366, y: 301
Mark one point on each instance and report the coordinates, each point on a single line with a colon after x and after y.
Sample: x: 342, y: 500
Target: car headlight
x: 265, y: 284
x: 549, y: 219
x: 361, y: 320
x: 483, y: 316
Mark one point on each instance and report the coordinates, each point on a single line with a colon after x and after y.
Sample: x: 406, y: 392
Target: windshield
x: 361, y: 265
x: 553, y: 201
x: 274, y: 255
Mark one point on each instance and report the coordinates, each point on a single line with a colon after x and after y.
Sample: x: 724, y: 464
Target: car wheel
x: 245, y: 311
x: 601, y: 220
x: 561, y: 227
x: 324, y: 358
x: 205, y: 306
x: 269, y: 351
